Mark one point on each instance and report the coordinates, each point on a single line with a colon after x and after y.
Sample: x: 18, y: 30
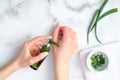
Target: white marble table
x: 21, y: 20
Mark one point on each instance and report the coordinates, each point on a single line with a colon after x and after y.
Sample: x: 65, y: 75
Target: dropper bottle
x: 45, y: 48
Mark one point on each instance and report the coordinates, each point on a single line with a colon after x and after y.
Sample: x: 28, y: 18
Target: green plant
x: 97, y: 17
x: 97, y: 60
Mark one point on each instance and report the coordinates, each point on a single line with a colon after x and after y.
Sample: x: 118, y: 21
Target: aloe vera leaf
x: 111, y: 11
x: 99, y: 12
x: 91, y: 24
x: 96, y: 36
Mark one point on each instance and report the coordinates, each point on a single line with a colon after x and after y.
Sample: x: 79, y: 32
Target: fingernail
x: 45, y: 54
x: 39, y: 47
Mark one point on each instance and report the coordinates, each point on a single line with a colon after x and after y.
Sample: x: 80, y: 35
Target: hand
x: 67, y: 40
x: 25, y: 57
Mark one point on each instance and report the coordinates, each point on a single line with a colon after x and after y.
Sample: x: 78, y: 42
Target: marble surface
x: 21, y: 20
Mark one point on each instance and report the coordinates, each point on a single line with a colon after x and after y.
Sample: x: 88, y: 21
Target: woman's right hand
x: 67, y: 40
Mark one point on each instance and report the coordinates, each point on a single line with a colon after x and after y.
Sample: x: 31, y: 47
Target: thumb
x: 38, y: 57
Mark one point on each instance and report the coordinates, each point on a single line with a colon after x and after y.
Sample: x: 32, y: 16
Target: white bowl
x: 100, y: 68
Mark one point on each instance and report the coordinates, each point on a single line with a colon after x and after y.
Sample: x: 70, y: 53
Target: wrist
x: 62, y: 70
x: 14, y: 65
x: 60, y: 64
x: 8, y: 69
x: 61, y: 59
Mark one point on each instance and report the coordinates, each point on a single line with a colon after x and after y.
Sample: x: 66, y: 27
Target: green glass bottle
x: 45, y: 48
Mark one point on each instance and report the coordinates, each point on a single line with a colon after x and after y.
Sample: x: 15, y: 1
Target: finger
x: 60, y: 35
x: 36, y: 47
x: 56, y: 32
x: 70, y: 32
x: 39, y: 43
x: 37, y: 58
x: 45, y: 37
x: 66, y: 32
x: 40, y: 38
x: 73, y: 34
x: 34, y: 50
x: 61, y: 31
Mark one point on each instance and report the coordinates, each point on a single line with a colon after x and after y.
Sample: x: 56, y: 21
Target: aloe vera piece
x: 54, y: 43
